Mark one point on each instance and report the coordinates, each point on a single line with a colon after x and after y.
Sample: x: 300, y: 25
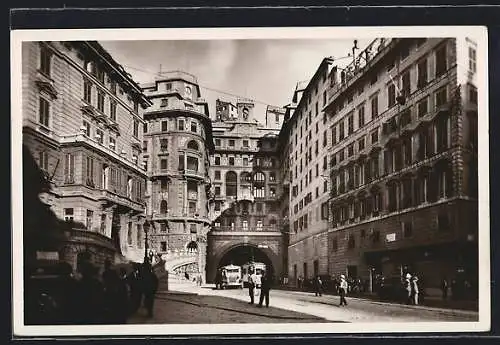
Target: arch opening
x: 243, y: 254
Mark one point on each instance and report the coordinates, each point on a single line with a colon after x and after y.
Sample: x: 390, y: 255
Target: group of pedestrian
x: 85, y: 297
x: 265, y: 287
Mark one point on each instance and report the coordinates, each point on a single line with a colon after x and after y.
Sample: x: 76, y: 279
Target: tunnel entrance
x: 243, y: 254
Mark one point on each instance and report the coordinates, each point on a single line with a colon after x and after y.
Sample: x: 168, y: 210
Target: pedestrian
x: 218, y: 279
x: 149, y: 287
x: 317, y: 286
x: 408, y: 289
x: 90, y: 297
x: 265, y: 286
x: 444, y: 288
x: 68, y: 293
x: 116, y: 299
x: 414, y: 289
x: 343, y: 290
x: 134, y: 282
x: 252, y: 278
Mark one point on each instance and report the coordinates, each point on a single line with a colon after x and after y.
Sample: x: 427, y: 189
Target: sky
x: 266, y: 71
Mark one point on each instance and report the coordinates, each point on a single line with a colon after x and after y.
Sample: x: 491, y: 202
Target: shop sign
x: 52, y: 256
x: 390, y: 237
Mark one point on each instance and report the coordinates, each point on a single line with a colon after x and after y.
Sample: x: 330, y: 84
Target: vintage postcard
x: 250, y: 181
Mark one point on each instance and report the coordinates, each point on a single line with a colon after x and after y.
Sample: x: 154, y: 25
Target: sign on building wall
x: 390, y: 237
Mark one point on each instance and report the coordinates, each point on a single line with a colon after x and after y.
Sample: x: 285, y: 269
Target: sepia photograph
x: 250, y: 181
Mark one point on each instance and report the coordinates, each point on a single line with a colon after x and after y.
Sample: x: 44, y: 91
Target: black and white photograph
x: 244, y: 181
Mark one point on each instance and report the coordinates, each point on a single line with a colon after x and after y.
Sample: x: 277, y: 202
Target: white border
x: 479, y: 34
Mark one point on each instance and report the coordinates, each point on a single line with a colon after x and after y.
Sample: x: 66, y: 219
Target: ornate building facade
x: 82, y: 122
x: 177, y: 144
x: 246, y: 190
x: 404, y: 162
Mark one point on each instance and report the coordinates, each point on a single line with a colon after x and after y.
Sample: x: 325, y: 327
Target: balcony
x: 113, y: 198
x: 83, y: 139
x: 193, y: 173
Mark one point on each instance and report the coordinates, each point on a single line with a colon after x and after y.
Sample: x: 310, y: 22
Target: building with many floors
x: 246, y: 188
x: 404, y: 162
x: 176, y: 148
x: 82, y: 122
x: 305, y: 145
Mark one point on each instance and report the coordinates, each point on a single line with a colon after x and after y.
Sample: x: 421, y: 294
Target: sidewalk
x: 429, y: 301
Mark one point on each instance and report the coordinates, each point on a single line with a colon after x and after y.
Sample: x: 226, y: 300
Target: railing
x: 89, y: 237
x: 267, y: 228
x: 118, y: 199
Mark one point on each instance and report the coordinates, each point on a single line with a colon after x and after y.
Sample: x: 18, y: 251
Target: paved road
x: 358, y: 310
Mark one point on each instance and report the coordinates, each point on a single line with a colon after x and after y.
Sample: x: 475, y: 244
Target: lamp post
x: 146, y: 230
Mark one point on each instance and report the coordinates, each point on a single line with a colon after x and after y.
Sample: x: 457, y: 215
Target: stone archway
x: 240, y: 253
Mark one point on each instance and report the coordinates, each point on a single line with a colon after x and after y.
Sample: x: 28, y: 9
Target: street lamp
x: 146, y: 229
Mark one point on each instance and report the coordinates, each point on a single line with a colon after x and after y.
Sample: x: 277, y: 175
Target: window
x: 391, y: 93
x: 351, y: 242
x: 245, y: 143
x: 181, y: 163
x: 441, y: 66
x: 406, y: 84
x: 472, y: 60
x: 103, y: 224
x: 87, y: 91
x: 112, y: 87
x: 163, y: 244
x: 325, y: 186
x: 259, y: 192
x: 136, y: 106
x: 350, y: 150
x: 361, y: 144
x: 43, y: 160
x: 44, y: 112
x: 472, y: 94
x: 129, y: 233
x: 168, y: 86
x: 341, y: 130
x: 100, y: 101
x: 361, y: 116
x: 231, y: 142
x: 192, y: 163
x: 164, y: 102
x: 112, y: 143
x: 217, y: 190
x: 375, y: 136
x: 164, y: 126
x: 163, y: 164
x: 193, y: 145
x: 350, y: 124
x: 245, y: 161
x: 138, y: 234
x: 217, y: 142
x: 374, y: 104
x: 145, y: 127
x: 163, y: 144
x: 136, y: 128
x: 69, y: 168
x: 68, y: 214
x: 180, y: 125
x: 231, y: 183
x: 45, y: 59
x: 231, y: 160
x: 88, y: 223
x: 422, y: 107
x: 217, y: 160
x: 441, y: 97
x: 422, y: 73
x: 112, y: 111
x: 90, y: 171
x: 99, y: 136
x: 272, y: 176
x: 194, y: 127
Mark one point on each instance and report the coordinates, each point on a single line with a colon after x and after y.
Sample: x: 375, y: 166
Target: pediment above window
x: 47, y: 87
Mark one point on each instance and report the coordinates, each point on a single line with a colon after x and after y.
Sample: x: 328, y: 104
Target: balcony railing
x: 267, y: 228
x: 89, y: 237
x: 135, y: 204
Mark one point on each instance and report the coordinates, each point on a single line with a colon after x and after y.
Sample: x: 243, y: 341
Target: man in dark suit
x: 265, y: 286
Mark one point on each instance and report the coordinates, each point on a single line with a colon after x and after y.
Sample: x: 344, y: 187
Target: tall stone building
x: 82, y: 122
x: 246, y: 189
x: 177, y: 144
x: 404, y: 162
x: 304, y: 147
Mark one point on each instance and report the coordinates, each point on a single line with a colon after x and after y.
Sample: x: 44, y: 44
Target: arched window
x: 192, y: 246
x: 163, y: 206
x: 193, y: 145
x: 231, y: 183
x: 259, y: 178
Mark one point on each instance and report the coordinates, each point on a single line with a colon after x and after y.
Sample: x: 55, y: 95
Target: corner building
x: 82, y: 115
x: 177, y: 143
x: 404, y: 162
x: 304, y: 147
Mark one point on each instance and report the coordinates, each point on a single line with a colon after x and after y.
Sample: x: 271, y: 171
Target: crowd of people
x: 85, y: 297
